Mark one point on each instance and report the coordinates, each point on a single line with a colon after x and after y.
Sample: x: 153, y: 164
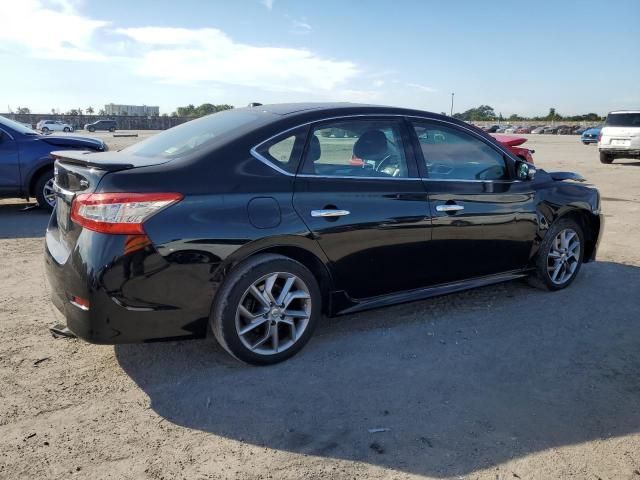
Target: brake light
x: 119, y: 213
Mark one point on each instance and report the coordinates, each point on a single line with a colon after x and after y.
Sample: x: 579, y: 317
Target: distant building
x: 131, y: 110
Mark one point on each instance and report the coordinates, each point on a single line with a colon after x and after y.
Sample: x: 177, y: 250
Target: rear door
x: 484, y: 221
x: 359, y: 193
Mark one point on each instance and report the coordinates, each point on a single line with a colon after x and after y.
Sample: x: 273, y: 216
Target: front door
x: 484, y: 221
x: 9, y: 163
x: 359, y: 193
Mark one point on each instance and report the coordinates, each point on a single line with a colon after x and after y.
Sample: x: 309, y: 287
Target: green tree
x: 23, y: 110
x: 89, y: 110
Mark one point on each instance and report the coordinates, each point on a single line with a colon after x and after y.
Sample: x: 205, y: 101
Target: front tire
x: 92, y: 129
x: 44, y: 191
x: 266, y: 310
x: 560, y: 256
x: 605, y: 158
x: 45, y: 129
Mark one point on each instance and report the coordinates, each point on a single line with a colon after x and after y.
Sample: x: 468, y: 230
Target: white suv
x: 620, y: 136
x: 54, y: 126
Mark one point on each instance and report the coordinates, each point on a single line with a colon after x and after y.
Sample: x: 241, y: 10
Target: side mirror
x: 525, y: 171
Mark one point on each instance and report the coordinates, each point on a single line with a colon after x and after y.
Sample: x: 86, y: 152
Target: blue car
x: 26, y: 169
x: 590, y: 135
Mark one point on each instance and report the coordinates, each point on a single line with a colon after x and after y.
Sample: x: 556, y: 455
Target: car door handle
x: 329, y: 213
x: 449, y: 208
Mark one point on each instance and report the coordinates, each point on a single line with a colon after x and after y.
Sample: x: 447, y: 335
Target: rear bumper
x: 627, y: 152
x: 133, y: 297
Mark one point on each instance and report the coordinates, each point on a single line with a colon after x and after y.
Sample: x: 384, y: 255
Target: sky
x: 519, y: 57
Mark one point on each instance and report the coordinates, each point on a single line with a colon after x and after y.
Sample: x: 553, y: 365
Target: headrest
x: 371, y: 143
x: 314, y: 149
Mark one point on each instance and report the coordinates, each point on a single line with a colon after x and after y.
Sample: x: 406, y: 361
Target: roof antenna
x: 254, y: 104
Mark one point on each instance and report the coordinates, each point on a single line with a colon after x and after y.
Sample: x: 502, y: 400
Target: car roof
x: 624, y: 111
x: 337, y: 109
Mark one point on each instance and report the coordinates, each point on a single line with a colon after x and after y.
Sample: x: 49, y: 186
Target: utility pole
x: 452, y: 94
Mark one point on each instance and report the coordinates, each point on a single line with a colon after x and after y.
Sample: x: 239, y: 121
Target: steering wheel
x: 394, y: 171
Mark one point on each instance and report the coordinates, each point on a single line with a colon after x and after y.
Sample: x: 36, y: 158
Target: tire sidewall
x: 39, y: 190
x: 555, y: 229
x: 223, y: 315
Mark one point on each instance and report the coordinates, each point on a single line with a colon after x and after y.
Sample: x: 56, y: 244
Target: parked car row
x: 48, y: 126
x: 536, y: 129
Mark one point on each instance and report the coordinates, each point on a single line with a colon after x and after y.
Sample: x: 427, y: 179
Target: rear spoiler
x: 89, y: 159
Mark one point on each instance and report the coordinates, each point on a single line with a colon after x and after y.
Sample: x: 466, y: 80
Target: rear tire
x: 605, y: 158
x: 252, y: 294
x: 43, y: 190
x: 66, y: 129
x: 112, y: 129
x: 558, y: 262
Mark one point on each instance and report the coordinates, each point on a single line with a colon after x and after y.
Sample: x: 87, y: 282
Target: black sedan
x: 253, y: 223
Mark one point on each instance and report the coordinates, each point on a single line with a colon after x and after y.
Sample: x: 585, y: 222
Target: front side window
x: 356, y: 148
x: 452, y: 154
x: 285, y: 151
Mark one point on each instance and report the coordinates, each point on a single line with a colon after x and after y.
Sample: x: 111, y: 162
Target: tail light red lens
x: 119, y: 213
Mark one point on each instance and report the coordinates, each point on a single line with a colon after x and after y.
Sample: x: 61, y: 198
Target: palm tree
x: 89, y: 110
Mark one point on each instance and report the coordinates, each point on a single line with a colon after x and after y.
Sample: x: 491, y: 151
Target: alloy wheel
x: 564, y: 256
x: 49, y: 193
x: 273, y: 313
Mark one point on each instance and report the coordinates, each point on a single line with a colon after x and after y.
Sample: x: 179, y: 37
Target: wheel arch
x: 590, y: 224
x: 35, y: 174
x: 314, y: 261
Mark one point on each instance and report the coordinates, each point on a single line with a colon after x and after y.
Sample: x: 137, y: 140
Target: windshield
x: 631, y: 119
x: 17, y: 127
x: 192, y: 136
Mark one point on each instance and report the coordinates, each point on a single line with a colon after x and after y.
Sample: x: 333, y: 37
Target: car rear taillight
x: 119, y: 213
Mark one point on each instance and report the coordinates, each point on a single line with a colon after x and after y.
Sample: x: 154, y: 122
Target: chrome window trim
x: 254, y: 151
x: 7, y: 133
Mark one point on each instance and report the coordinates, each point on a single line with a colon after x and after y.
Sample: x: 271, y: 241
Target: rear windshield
x: 192, y: 136
x: 623, y: 120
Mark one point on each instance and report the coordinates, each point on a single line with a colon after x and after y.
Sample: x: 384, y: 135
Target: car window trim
x: 416, y: 155
x: 422, y: 165
x: 8, y: 134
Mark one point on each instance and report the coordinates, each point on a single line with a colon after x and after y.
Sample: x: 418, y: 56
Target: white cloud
x: 267, y: 3
x: 378, y: 83
x: 424, y: 88
x: 301, y: 26
x: 56, y: 31
x: 179, y: 55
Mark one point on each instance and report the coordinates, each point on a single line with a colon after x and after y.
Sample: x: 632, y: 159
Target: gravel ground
x: 501, y: 382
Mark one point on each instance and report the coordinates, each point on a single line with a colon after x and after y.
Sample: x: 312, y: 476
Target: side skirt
x: 346, y: 305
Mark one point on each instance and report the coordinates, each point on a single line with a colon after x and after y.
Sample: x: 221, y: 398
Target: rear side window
x: 452, y: 154
x: 193, y: 136
x: 623, y: 120
x: 285, y: 150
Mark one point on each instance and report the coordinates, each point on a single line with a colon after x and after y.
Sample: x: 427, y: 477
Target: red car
x: 512, y: 143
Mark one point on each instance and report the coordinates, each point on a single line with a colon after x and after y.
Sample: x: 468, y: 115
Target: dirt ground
x: 502, y: 382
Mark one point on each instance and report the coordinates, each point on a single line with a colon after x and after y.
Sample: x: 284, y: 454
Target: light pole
x: 452, y: 94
